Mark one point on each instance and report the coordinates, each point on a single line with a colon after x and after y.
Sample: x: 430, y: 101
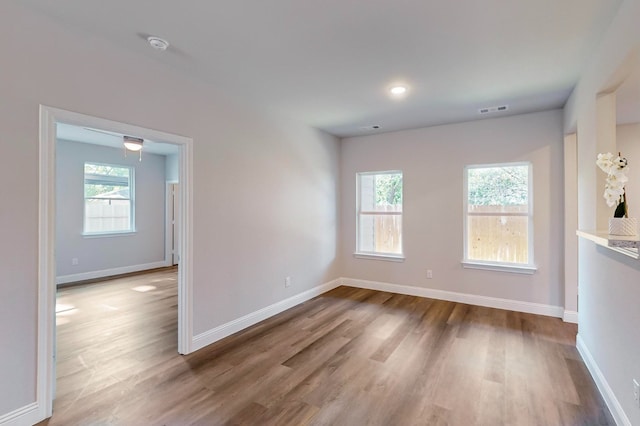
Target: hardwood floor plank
x: 348, y: 357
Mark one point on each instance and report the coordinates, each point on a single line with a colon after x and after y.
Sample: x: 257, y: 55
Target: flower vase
x: 624, y: 226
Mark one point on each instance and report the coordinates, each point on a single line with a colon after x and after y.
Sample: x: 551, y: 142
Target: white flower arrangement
x: 614, y: 192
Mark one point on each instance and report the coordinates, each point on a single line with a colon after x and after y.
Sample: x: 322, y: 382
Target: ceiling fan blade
x: 105, y: 132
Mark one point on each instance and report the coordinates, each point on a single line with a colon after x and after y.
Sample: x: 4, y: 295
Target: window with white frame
x: 499, y: 216
x: 379, y: 217
x: 108, y: 199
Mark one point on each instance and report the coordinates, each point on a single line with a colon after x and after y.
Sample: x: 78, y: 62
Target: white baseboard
x: 27, y: 415
x: 603, y: 386
x: 471, y: 299
x: 224, y: 330
x: 63, y: 279
x: 570, y: 316
x: 220, y: 332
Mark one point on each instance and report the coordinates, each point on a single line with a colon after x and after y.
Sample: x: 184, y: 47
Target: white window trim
x: 108, y: 234
x: 379, y: 256
x: 516, y: 268
x: 132, y: 222
x: 391, y: 257
x: 522, y: 268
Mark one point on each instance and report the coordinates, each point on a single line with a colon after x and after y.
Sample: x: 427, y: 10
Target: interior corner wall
x: 108, y: 252
x: 432, y: 161
x: 264, y: 186
x: 609, y: 282
x: 172, y: 168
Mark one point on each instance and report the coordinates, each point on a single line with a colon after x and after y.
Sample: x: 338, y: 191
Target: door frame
x: 49, y: 116
x: 170, y: 217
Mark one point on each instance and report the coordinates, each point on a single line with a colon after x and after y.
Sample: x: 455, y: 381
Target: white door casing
x: 49, y: 116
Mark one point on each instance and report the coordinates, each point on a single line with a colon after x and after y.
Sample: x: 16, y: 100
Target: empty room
x: 388, y: 213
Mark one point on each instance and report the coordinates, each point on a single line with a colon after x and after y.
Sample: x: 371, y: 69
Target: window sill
x: 386, y: 257
x: 516, y: 269
x: 108, y: 234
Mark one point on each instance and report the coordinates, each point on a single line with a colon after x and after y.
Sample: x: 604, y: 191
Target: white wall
x: 628, y: 143
x: 609, y: 283
x: 144, y: 247
x: 433, y: 160
x: 172, y: 168
x: 264, y: 188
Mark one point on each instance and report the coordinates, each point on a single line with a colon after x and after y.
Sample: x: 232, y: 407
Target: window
x: 499, y: 221
x: 108, y: 199
x: 379, y: 206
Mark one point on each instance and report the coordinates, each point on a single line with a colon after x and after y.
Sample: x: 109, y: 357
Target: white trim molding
x: 63, y: 279
x: 227, y: 329
x: 603, y: 386
x: 570, y: 316
x: 218, y: 333
x: 377, y: 256
x: 49, y: 117
x: 502, y: 267
x: 471, y: 299
x: 27, y: 415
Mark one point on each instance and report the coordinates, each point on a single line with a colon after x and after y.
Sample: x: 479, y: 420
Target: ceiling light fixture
x: 398, y: 90
x: 158, y: 43
x: 132, y: 144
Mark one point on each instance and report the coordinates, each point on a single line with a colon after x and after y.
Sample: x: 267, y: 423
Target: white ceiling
x: 330, y: 63
x: 108, y: 138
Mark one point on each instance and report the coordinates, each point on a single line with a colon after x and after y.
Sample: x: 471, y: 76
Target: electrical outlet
x: 74, y: 261
x: 429, y: 273
x: 287, y: 282
x: 636, y: 391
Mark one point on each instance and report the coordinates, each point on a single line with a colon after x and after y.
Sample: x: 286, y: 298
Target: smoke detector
x: 489, y: 110
x: 371, y: 128
x: 158, y: 43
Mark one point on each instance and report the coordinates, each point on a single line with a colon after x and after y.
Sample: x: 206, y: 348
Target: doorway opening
x: 50, y: 118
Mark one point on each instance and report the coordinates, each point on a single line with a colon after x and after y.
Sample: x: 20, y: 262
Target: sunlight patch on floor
x: 144, y: 288
x: 64, y: 307
x: 109, y: 307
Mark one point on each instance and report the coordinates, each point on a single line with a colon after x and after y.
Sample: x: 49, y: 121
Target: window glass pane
x: 388, y: 192
x: 499, y: 189
x: 381, y: 192
x: 106, y: 191
x: 367, y: 233
x: 107, y: 215
x: 108, y: 204
x: 380, y: 233
x: 524, y: 208
x: 367, y: 191
x: 106, y: 181
x: 498, y: 238
x: 380, y: 212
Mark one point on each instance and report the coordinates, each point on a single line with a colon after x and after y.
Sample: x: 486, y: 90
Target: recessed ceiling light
x: 158, y: 43
x: 398, y: 90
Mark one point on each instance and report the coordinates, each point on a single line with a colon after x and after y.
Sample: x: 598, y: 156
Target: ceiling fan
x: 131, y: 143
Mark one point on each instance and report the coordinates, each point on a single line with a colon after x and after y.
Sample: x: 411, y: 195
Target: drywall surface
x: 608, y: 287
x: 608, y: 318
x: 99, y: 253
x: 264, y: 187
x: 432, y: 161
x: 172, y: 168
x: 628, y: 144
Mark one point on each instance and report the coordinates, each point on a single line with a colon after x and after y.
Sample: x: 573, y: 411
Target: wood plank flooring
x: 348, y: 357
